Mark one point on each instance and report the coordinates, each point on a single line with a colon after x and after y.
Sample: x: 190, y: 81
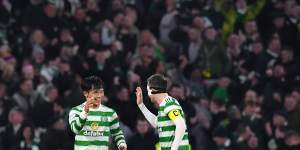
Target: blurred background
x: 233, y: 65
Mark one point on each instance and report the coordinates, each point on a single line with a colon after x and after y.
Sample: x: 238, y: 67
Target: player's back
x: 166, y: 126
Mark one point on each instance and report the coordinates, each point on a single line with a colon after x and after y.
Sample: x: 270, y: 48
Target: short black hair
x: 158, y: 83
x: 175, y: 85
x: 91, y: 82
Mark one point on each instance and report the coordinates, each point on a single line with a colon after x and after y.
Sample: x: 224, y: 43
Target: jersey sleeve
x: 77, y: 119
x: 116, y: 131
x: 171, y: 105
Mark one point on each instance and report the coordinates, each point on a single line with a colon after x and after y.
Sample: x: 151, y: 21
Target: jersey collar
x: 164, y: 101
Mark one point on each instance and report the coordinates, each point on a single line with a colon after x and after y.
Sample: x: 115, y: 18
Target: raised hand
x: 89, y: 104
x: 122, y: 148
x: 139, y: 95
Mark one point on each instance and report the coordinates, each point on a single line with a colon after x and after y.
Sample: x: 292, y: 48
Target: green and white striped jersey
x: 166, y: 126
x: 93, y: 132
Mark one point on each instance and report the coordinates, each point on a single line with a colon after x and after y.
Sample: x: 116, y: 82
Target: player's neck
x: 161, y: 97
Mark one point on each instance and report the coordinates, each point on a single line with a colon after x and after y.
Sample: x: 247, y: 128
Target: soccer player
x: 92, y: 122
x: 170, y: 121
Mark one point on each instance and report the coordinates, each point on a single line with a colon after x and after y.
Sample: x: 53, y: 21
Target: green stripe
x: 82, y: 121
x: 99, y: 123
x: 163, y: 118
x: 115, y: 131
x: 76, y: 125
x: 100, y: 113
x: 168, y: 128
x: 76, y: 109
x: 171, y: 138
x: 119, y: 138
x: 114, y: 121
x: 88, y: 143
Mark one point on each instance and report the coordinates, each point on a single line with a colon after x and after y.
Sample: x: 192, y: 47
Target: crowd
x: 233, y: 65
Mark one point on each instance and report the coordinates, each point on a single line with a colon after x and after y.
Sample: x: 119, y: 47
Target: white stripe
x: 72, y: 115
x: 77, y: 121
x: 94, y: 118
x: 91, y: 147
x: 74, y: 128
x: 105, y: 109
x: 172, y: 107
x: 119, y: 136
x: 121, y: 141
x: 166, y: 133
x: 91, y: 138
x: 114, y: 126
x: 165, y: 123
x: 169, y: 144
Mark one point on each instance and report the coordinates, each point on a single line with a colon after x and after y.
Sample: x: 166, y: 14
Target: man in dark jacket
x: 144, y: 138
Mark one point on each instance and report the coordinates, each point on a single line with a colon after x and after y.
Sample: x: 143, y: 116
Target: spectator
x: 221, y: 138
x: 28, y: 142
x: 43, y: 110
x: 124, y: 106
x: 212, y: 56
x: 128, y: 33
x: 26, y: 96
x: 178, y: 92
x: 291, y: 105
x: 292, y: 140
x: 268, y: 58
x: 276, y: 131
x: 144, y: 137
x: 6, y: 104
x: 218, y: 109
x: 13, y: 131
x: 57, y: 130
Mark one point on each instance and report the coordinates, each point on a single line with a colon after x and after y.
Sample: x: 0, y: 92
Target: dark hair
x: 158, y: 83
x: 175, y: 85
x: 297, y: 89
x: 92, y: 82
x: 23, y: 80
x: 49, y: 88
x: 288, y: 48
x: 31, y: 126
x: 218, y: 101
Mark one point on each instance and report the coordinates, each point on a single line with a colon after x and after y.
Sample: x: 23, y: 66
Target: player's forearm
x: 179, y: 132
x: 118, y: 137
x: 116, y: 132
x: 77, y: 121
x: 152, y: 119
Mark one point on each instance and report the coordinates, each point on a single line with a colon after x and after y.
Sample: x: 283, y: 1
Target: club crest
x: 94, y: 126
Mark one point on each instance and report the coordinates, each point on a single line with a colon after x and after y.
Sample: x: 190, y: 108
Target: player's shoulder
x: 170, y: 101
x: 107, y: 109
x: 169, y: 104
x: 78, y: 107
